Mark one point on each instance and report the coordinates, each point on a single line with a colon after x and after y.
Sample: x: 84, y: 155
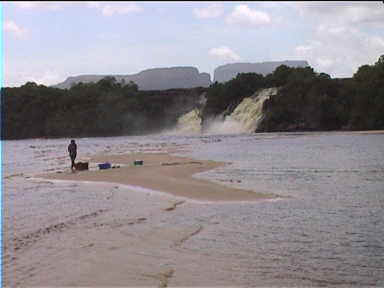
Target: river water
x: 326, y: 230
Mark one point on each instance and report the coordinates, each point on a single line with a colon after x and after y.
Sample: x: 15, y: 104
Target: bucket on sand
x: 138, y: 162
x: 104, y: 166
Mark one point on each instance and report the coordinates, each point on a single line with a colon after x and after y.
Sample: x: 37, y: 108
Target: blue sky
x: 47, y: 42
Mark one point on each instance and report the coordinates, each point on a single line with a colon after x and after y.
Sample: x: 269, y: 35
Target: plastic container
x: 104, y: 166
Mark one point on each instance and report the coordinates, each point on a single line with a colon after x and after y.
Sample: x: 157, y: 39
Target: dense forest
x: 306, y: 101
x: 105, y: 108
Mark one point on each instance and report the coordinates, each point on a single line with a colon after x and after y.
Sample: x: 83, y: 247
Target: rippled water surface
x: 327, y: 230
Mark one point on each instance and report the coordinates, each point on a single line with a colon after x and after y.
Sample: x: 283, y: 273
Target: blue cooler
x: 104, y: 166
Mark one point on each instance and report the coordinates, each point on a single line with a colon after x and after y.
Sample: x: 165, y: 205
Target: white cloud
x: 112, y: 8
x: 376, y: 41
x: 39, y: 5
x: 340, y: 51
x: 93, y: 4
x: 211, y: 11
x: 224, y: 52
x: 109, y: 10
x: 47, y: 77
x: 350, y: 35
x: 274, y: 5
x: 11, y: 27
x: 243, y: 15
x: 325, y: 63
x: 344, y: 13
x: 303, y: 49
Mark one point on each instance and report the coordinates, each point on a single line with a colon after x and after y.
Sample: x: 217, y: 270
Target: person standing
x: 72, y: 149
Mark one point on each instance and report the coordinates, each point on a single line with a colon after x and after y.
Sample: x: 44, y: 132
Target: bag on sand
x: 81, y: 166
x: 104, y: 166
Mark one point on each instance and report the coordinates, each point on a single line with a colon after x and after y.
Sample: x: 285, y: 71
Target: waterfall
x: 249, y: 112
x: 190, y: 122
x: 244, y: 119
x: 246, y: 116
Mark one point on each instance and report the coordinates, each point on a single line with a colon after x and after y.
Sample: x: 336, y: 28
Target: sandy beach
x: 191, y: 228
x: 162, y: 172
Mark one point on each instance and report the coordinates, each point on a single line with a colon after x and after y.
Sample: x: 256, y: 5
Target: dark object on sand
x: 138, y: 162
x: 104, y: 166
x: 81, y: 166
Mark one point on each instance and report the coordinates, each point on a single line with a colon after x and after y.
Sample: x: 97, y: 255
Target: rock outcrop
x: 229, y: 71
x: 151, y: 79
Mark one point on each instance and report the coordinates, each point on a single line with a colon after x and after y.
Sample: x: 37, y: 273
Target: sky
x: 46, y: 42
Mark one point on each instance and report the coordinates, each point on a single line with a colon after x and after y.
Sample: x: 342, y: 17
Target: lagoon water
x: 327, y: 229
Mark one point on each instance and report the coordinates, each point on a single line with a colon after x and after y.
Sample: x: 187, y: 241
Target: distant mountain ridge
x: 151, y: 79
x: 183, y: 77
x: 227, y: 72
x: 287, y: 100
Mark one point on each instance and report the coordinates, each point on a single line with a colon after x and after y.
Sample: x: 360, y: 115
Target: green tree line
x: 105, y: 108
x: 306, y: 101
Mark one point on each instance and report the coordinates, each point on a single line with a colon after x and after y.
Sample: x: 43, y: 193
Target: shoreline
x: 202, y: 134
x: 152, y: 192
x: 163, y: 173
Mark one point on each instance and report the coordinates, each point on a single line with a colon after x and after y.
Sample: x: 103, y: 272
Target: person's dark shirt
x: 72, y: 149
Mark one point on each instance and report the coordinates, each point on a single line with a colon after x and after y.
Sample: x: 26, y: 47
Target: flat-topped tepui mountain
x: 288, y: 99
x: 151, y: 79
x: 227, y: 72
x: 184, y: 77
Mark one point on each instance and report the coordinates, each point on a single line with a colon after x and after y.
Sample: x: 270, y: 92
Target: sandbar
x: 165, y: 173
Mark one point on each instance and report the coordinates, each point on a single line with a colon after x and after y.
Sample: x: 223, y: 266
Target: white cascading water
x: 189, y: 123
x: 246, y: 116
x: 244, y: 119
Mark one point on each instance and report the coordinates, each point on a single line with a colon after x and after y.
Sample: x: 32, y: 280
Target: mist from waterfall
x: 246, y: 116
x: 244, y: 119
x: 189, y: 123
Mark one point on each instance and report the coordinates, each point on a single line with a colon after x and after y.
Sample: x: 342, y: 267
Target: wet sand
x: 370, y: 132
x: 162, y: 172
x: 128, y: 237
